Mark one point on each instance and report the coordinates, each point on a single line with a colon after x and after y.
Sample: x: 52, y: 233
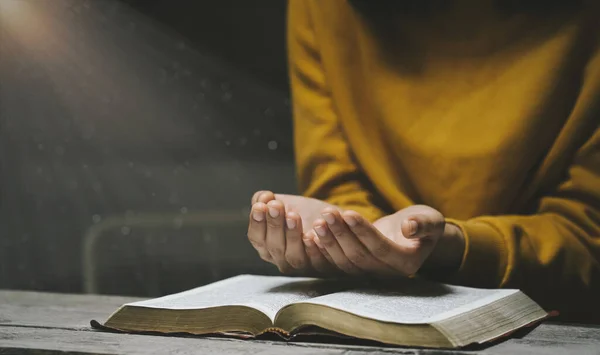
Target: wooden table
x: 46, y: 323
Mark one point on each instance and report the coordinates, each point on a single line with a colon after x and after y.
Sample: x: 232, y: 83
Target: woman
x: 455, y: 140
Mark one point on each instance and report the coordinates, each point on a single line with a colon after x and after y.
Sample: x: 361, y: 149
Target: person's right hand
x: 281, y: 231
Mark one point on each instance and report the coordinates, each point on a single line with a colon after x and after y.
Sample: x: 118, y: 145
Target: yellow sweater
x: 489, y: 115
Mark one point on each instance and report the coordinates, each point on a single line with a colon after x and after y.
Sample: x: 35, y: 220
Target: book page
x: 410, y: 301
x: 267, y: 294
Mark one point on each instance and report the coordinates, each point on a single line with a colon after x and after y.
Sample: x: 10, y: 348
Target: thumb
x: 423, y: 225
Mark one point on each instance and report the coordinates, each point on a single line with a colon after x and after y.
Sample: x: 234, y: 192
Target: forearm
x: 324, y: 161
x: 550, y: 257
x: 447, y: 256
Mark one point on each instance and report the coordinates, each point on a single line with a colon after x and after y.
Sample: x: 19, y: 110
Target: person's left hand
x: 397, y: 244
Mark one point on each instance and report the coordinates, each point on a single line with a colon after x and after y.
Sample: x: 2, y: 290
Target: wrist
x: 446, y: 257
x: 455, y: 241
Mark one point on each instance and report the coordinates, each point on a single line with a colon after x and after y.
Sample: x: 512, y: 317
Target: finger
x: 255, y: 197
x: 316, y: 258
x: 324, y: 251
x: 295, y: 253
x: 257, y: 230
x: 353, y: 249
x: 423, y: 225
x: 263, y: 196
x: 378, y: 245
x: 275, y: 238
x: 328, y: 242
x: 266, y: 197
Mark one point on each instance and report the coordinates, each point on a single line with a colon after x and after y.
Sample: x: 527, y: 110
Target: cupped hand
x: 397, y: 244
x: 280, y: 229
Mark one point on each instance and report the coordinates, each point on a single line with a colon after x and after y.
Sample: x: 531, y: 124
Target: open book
x: 411, y: 312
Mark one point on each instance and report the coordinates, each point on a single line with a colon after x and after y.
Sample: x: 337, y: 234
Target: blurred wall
x: 113, y: 108
x: 250, y: 35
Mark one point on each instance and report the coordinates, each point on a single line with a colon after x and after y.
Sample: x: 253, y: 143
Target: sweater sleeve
x: 325, y: 164
x: 552, y: 255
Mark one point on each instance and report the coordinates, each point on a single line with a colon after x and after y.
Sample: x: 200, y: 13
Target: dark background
x: 115, y: 113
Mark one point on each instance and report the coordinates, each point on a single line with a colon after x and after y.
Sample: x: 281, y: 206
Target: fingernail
x: 291, y: 224
x: 329, y: 218
x: 258, y: 215
x: 321, y: 231
x: 413, y: 227
x: 274, y: 212
x: 350, y: 220
x: 306, y: 242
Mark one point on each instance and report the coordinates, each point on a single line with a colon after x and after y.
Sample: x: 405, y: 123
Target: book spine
x: 278, y: 331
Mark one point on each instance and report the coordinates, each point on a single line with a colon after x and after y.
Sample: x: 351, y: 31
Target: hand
x: 280, y: 229
x: 398, y: 244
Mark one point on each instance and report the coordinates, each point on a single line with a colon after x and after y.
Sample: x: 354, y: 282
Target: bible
x: 407, y: 312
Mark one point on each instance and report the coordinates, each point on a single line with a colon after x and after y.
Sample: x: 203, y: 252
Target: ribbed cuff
x: 485, y: 257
